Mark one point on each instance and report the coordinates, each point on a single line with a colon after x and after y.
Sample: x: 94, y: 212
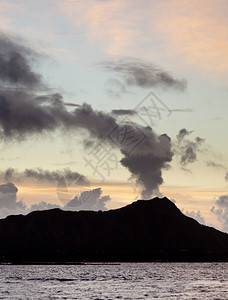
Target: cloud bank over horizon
x: 220, y: 210
x: 87, y: 200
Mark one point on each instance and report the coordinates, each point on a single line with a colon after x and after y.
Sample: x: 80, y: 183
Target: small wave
x: 14, y: 277
x: 52, y: 279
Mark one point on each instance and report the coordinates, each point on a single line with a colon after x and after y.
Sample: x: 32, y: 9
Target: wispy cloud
x: 15, y: 63
x: 215, y: 165
x: 7, y: 9
x: 194, y: 32
x: 107, y: 23
x: 43, y: 176
x: 141, y: 73
x: 186, y: 149
x: 197, y: 31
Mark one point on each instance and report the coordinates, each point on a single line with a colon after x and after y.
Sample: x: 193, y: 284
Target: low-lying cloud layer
x: 87, y: 200
x: 8, y: 200
x: 40, y: 175
x: 220, y: 210
x: 195, y: 215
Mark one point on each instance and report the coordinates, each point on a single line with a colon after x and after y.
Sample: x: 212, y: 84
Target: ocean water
x: 123, y: 281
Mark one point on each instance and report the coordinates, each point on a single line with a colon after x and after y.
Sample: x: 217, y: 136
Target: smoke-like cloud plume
x: 23, y: 113
x: 145, y: 153
x: 15, y: 63
x: 147, y: 162
x: 182, y: 134
x: 136, y: 72
x: 186, y: 149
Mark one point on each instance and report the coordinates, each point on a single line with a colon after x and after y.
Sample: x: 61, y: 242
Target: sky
x: 103, y: 102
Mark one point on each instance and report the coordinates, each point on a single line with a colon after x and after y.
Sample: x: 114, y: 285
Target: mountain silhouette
x: 146, y: 230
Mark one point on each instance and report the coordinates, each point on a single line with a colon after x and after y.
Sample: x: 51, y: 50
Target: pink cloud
x: 195, y: 31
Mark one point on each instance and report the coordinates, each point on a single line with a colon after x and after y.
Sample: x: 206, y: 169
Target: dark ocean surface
x: 120, y: 281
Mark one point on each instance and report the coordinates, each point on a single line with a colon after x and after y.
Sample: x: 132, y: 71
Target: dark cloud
x: 8, y: 188
x: 145, y: 153
x: 151, y: 156
x: 147, y: 162
x: 15, y: 63
x: 135, y: 72
x: 56, y: 176
x: 71, y: 104
x: 124, y: 112
x: 182, y: 134
x: 220, y: 210
x: 41, y: 175
x: 186, y: 149
x: 23, y: 113
x: 24, y: 110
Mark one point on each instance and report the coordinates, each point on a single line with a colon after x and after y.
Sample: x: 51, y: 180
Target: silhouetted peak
x: 154, y: 203
x: 142, y: 231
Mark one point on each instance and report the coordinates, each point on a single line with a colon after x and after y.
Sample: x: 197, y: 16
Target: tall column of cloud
x: 146, y: 161
x: 23, y: 113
